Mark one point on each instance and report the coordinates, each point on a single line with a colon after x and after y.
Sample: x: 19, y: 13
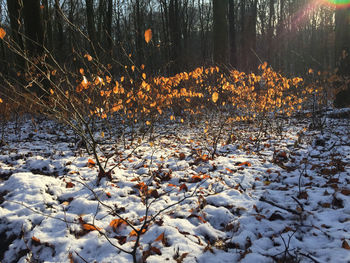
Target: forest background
x: 291, y: 35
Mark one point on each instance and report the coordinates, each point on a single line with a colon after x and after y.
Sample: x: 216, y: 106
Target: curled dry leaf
x: 148, y: 35
x: 345, y: 245
x: 89, y: 227
x: 115, y: 223
x: 91, y: 163
x: 2, y: 33
x: 196, y: 179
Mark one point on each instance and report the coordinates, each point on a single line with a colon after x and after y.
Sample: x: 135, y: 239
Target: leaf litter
x: 290, y: 199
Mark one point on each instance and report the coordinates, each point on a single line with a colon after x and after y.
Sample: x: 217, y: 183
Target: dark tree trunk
x: 14, y: 9
x: 33, y: 27
x: 220, y: 31
x: 175, y: 35
x: 139, y: 33
x: 48, y: 40
x: 108, y: 25
x: 242, y: 48
x: 342, y: 40
x: 232, y: 27
x: 251, y: 37
x: 342, y: 52
x: 91, y: 25
x: 270, y: 30
x: 59, y: 29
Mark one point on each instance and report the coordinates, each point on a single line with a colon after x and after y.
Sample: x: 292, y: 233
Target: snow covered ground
x: 286, y: 201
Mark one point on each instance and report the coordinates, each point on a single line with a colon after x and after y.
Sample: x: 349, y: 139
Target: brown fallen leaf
x: 69, y: 185
x: 345, y: 192
x: 345, y: 245
x: 156, y: 250
x: 182, y: 156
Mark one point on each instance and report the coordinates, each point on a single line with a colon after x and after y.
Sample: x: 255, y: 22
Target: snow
x: 289, y: 198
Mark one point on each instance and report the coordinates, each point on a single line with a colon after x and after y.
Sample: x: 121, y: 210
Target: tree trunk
x: 14, y: 9
x: 270, y: 31
x: 59, y: 29
x: 48, y: 41
x: 342, y: 40
x: 33, y: 27
x: 139, y: 33
x: 175, y: 35
x: 220, y: 31
x: 91, y: 25
x: 233, y: 48
x: 108, y: 25
x: 342, y: 52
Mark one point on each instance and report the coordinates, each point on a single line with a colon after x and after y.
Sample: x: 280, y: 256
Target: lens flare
x: 338, y: 3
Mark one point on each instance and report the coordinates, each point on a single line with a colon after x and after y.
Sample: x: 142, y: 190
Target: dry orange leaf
x: 89, y: 58
x: 201, y: 219
x: 115, y: 223
x: 229, y: 170
x: 36, y: 240
x: 215, y: 97
x: 196, y: 179
x: 2, y: 33
x: 89, y: 227
x: 245, y: 163
x: 160, y: 238
x: 148, y: 35
x: 134, y: 234
x: 91, y: 162
x: 183, y: 187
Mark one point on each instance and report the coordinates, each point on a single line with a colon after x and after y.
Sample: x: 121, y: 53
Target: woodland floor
x: 284, y: 199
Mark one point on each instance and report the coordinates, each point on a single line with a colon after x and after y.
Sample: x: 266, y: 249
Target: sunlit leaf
x: 115, y: 223
x: 148, y: 35
x: 160, y: 237
x: 89, y: 58
x: 89, y: 227
x: 91, y: 162
x: 2, y: 33
x: 215, y: 97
